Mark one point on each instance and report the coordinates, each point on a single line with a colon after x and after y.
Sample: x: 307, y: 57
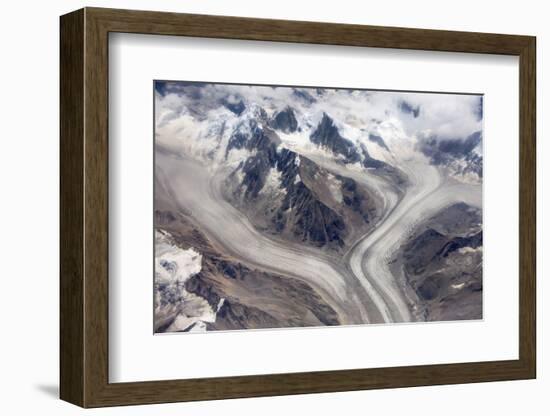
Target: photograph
x: 289, y: 206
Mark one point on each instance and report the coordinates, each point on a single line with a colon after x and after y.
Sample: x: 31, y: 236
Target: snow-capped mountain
x: 271, y: 148
x: 176, y: 309
x: 339, y: 174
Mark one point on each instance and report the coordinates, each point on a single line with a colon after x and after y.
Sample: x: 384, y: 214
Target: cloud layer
x: 434, y: 115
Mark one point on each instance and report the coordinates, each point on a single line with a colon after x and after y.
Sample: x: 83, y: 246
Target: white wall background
x: 29, y: 208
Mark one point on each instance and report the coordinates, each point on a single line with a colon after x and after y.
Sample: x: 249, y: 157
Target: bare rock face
x: 459, y: 155
x: 285, y: 121
x: 327, y: 135
x: 239, y: 294
x: 240, y: 299
x: 299, y: 206
x: 378, y: 140
x: 311, y: 220
x: 235, y: 107
x: 442, y: 264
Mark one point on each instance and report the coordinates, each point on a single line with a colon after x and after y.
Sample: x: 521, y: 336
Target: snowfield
x: 173, y: 267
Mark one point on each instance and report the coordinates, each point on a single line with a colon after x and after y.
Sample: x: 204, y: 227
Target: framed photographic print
x: 256, y: 207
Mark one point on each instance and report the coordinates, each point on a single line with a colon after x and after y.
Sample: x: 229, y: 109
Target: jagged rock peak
x: 327, y: 135
x: 285, y: 121
x: 256, y: 112
x: 378, y: 140
x: 303, y: 95
x: 326, y: 130
x: 236, y: 108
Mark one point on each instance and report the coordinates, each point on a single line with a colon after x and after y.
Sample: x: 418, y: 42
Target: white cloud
x: 445, y: 116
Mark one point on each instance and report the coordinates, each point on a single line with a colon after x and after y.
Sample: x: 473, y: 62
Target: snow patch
x: 199, y: 326
x: 173, y: 267
x: 236, y: 156
x: 459, y: 170
x: 273, y: 182
x: 470, y: 250
x: 172, y: 264
x: 335, y: 188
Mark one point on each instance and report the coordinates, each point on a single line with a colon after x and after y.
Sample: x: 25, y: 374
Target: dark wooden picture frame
x: 84, y: 207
